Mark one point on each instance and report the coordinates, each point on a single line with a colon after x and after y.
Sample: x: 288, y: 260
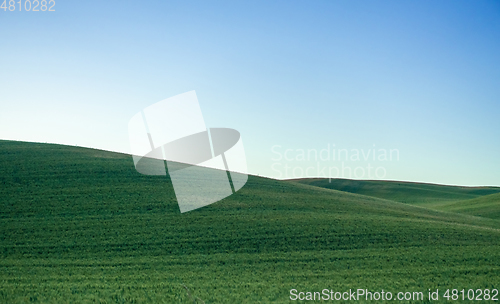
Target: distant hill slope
x: 487, y: 206
x: 479, y: 201
x: 81, y: 225
x: 404, y: 192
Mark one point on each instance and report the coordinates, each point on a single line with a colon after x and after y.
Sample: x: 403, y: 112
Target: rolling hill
x: 479, y: 201
x: 485, y: 206
x: 403, y: 192
x: 81, y: 225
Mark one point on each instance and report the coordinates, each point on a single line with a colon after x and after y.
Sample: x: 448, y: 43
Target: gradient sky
x: 422, y: 77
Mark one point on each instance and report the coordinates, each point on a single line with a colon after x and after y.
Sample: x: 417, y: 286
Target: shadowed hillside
x: 486, y: 206
x: 403, y: 192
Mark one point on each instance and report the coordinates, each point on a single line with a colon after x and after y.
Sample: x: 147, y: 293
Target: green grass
x: 485, y: 206
x: 478, y: 201
x: 403, y: 192
x: 82, y: 226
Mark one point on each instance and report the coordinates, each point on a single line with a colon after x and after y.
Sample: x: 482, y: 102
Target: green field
x: 82, y: 226
x: 478, y: 201
x: 484, y: 206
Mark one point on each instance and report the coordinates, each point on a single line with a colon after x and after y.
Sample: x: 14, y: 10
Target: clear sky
x: 421, y: 78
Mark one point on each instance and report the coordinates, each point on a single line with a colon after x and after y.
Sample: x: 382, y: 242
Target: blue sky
x: 422, y: 77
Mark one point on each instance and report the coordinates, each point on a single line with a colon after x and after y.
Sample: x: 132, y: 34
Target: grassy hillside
x: 487, y: 206
x: 403, y: 192
x: 478, y: 201
x: 81, y: 225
